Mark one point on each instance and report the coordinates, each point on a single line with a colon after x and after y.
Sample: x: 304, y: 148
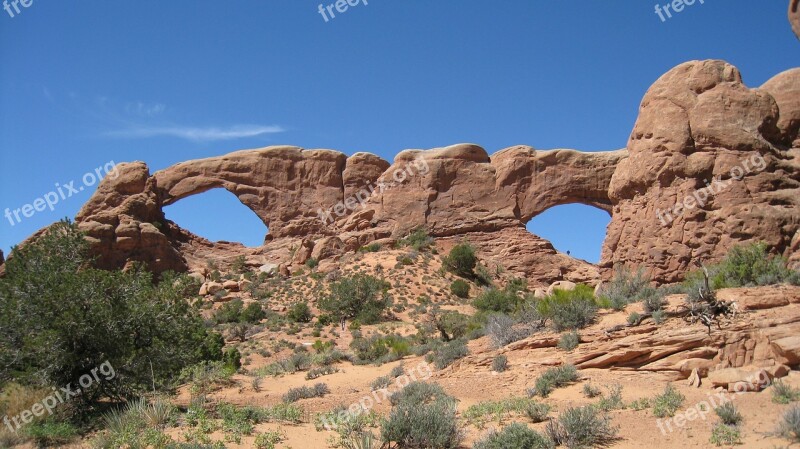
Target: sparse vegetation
x: 582, y: 427
x: 728, y: 414
x: 554, y: 378
x: 449, y: 352
x: 362, y: 297
x: 783, y: 393
x: 569, y: 340
x: 300, y: 313
x: 500, y: 363
x: 295, y: 394
x: 667, y: 403
x: 723, y: 434
x: 514, y: 436
x: 789, y: 426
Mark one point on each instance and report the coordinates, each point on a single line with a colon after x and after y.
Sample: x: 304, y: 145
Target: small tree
x: 461, y: 260
x: 361, y: 296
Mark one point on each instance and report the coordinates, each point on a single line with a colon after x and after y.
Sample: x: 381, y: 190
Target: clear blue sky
x: 91, y: 81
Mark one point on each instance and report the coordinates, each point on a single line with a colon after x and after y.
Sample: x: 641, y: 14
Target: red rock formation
x: 794, y: 16
x: 697, y: 122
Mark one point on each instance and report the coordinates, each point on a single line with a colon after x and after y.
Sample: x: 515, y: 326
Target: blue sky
x: 86, y: 82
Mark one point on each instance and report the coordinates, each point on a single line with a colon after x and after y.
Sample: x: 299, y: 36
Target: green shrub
x: 728, y: 414
x: 659, y: 316
x: 667, y: 403
x: 569, y: 340
x: 783, y: 393
x: 461, y: 261
x: 569, y: 309
x: 230, y: 312
x: 460, y: 288
x: 312, y: 263
x: 749, y: 265
x: 361, y: 296
x: 634, y: 318
x: 500, y: 363
x: 515, y: 436
x: 232, y: 359
x: 380, y: 348
x: 555, y: 378
x: 418, y: 240
x: 627, y: 286
x: 789, y: 427
x: 295, y: 394
x: 590, y: 391
x: 60, y: 318
x: 319, y: 372
x: 299, y: 313
x: 253, y: 313
x: 613, y: 400
x: 499, y: 411
x: 582, y: 427
x: 50, y: 433
x: 503, y: 330
x: 448, y: 353
x: 500, y: 301
x: 422, y: 416
x: 723, y: 434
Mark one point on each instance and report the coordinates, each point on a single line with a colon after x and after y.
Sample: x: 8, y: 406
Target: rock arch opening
x: 575, y: 228
x: 218, y: 215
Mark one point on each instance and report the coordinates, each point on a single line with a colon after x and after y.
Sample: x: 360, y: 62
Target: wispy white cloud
x: 196, y: 134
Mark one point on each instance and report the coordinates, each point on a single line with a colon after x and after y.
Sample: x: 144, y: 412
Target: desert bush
x: 461, y: 261
x: 514, y: 436
x: 723, y: 434
x: 582, y: 427
x: 555, y: 378
x: 789, y: 426
x: 503, y: 330
x: 569, y: 340
x: 500, y: 363
x: 499, y: 301
x: 232, y: 359
x: 634, y: 318
x: 422, y: 416
x: 569, y: 309
x: 625, y: 287
x: 378, y: 348
x: 449, y: 352
x: 295, y: 394
x: 419, y: 240
x: 299, y: 313
x: 750, y: 265
x: 667, y: 403
x: 361, y: 297
x: 659, y: 316
x: 319, y: 372
x: 312, y: 263
x: 728, y: 414
x: 783, y: 393
x: 450, y: 324
x: 499, y: 411
x: 460, y: 288
x: 253, y: 313
x: 397, y: 371
x: 590, y: 391
x: 613, y: 400
x: 381, y: 383
x: 55, y: 305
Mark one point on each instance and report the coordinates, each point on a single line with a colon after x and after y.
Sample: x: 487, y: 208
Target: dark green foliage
x: 239, y: 265
x: 461, y: 261
x: 361, y: 296
x: 377, y: 348
x: 300, y: 313
x: 235, y: 312
x: 460, y: 288
x: 253, y: 313
x: 494, y: 300
x: 312, y: 263
x: 232, y: 359
x: 450, y: 324
x: 422, y: 417
x: 61, y: 318
x: 50, y: 433
x: 515, y: 436
x: 569, y: 309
